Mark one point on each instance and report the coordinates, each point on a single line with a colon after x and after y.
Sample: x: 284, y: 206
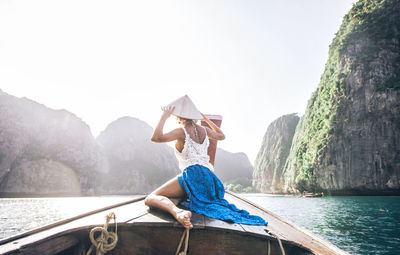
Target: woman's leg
x: 166, y: 198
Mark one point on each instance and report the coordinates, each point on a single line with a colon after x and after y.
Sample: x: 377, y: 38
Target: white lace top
x: 194, y: 153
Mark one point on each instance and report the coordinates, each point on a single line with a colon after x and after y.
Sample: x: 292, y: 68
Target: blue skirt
x: 205, y: 193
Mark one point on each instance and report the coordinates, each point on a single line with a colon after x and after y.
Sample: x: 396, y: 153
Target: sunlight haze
x: 249, y: 61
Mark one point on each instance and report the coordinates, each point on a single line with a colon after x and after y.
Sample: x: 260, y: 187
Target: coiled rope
x: 102, y: 243
x: 185, y: 236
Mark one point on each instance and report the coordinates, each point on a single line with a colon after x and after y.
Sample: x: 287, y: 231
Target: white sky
x: 248, y: 60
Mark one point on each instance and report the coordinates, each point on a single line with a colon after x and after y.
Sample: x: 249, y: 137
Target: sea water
x: 22, y: 214
x: 358, y: 225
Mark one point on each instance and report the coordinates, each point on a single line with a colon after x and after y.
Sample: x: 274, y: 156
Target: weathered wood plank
x: 155, y: 218
x: 153, y: 240
x: 139, y: 214
x: 147, y: 240
x: 198, y: 220
x: 160, y: 218
x: 52, y: 246
x: 219, y: 224
x: 255, y: 230
x: 127, y: 212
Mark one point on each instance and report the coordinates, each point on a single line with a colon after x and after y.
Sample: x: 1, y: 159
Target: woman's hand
x: 159, y: 136
x: 167, y: 111
x: 215, y: 132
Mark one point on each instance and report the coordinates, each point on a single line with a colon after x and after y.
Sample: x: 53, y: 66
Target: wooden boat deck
x: 68, y: 233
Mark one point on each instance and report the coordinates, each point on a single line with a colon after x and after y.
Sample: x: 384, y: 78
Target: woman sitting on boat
x: 197, y: 188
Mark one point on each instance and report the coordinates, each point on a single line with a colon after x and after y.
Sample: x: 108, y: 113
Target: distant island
x: 348, y: 140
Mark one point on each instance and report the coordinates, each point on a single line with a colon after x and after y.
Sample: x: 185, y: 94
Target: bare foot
x: 183, y: 217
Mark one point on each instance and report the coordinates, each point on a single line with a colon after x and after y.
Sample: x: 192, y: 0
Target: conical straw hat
x: 185, y: 108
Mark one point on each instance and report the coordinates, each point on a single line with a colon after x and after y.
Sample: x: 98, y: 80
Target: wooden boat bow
x: 145, y: 231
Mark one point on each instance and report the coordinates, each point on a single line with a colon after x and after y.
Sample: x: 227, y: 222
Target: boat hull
x: 162, y: 240
x: 144, y: 231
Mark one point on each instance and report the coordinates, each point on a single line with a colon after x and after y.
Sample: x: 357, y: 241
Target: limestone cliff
x: 348, y: 141
x: 274, y: 151
x: 46, y: 152
x: 36, y: 142
x: 233, y: 167
x: 136, y: 165
x: 41, y: 177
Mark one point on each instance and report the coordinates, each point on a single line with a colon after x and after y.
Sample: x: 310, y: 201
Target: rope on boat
x: 185, y: 236
x: 101, y: 242
x: 279, y: 241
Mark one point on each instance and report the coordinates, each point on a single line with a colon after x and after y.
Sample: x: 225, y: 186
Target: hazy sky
x: 248, y: 60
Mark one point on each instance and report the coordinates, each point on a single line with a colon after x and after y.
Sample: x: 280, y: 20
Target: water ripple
x: 358, y: 225
x: 23, y: 214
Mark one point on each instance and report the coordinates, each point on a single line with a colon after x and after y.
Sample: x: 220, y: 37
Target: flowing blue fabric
x: 206, y: 196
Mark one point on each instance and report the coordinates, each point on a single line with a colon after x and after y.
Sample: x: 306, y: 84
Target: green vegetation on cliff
x: 370, y: 29
x: 318, y: 121
x: 379, y: 21
x: 240, y: 185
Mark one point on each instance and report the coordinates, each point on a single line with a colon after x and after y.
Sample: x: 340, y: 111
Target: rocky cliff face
x: 348, y: 141
x: 274, y: 151
x: 136, y: 165
x: 42, y: 177
x: 233, y: 167
x: 37, y: 142
x: 52, y: 152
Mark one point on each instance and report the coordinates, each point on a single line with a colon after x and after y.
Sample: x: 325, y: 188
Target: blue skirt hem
x: 205, y: 195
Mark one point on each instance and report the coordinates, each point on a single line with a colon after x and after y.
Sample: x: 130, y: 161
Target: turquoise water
x: 358, y: 225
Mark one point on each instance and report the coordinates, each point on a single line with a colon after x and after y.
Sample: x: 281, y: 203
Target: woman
x: 197, y: 182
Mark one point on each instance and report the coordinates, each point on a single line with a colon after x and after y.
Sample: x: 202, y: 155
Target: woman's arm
x: 214, y: 132
x: 158, y: 135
